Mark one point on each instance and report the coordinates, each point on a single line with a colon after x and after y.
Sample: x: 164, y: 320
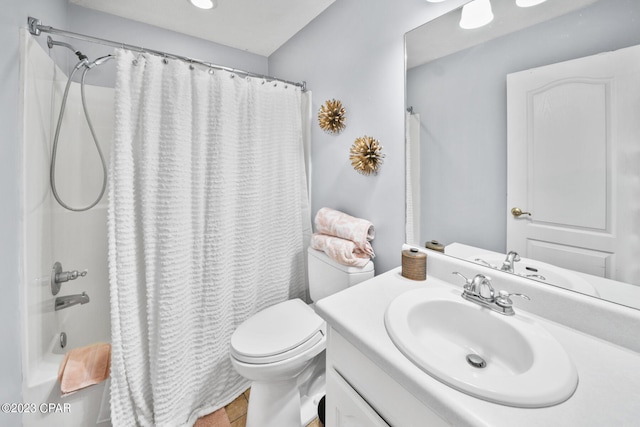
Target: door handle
x: 517, y: 212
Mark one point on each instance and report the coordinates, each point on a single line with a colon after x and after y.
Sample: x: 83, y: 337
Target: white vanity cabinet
x: 371, y: 383
x: 348, y: 408
x: 361, y: 394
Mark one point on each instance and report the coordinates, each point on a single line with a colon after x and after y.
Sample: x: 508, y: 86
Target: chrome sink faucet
x: 480, y: 291
x: 474, y: 287
x: 507, y: 265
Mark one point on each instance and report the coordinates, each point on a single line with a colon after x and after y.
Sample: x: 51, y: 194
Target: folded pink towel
x: 340, y: 250
x: 339, y: 224
x: 84, y: 366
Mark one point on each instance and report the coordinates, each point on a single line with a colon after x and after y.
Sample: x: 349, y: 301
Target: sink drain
x: 476, y: 361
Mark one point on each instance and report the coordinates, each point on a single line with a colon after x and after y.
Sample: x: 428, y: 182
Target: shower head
x: 51, y: 43
x: 100, y: 61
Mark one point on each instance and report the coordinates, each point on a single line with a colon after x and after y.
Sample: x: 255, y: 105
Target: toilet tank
x: 326, y: 277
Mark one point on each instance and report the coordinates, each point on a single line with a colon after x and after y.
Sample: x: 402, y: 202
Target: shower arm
x: 51, y: 43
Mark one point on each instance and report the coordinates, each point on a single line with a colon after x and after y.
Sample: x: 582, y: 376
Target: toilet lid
x: 273, y: 333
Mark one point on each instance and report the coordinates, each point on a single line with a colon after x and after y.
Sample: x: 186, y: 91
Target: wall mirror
x: 511, y: 115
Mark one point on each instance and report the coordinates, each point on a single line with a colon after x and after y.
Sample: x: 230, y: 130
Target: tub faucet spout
x: 69, y: 300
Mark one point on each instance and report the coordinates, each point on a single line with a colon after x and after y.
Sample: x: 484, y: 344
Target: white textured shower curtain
x: 208, y: 219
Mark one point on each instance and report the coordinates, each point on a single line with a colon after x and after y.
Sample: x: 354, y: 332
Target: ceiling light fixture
x: 435, y: 1
x: 476, y: 14
x: 205, y: 4
x: 529, y: 3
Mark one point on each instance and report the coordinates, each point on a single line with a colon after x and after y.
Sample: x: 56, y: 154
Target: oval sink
x: 510, y: 360
x: 542, y: 272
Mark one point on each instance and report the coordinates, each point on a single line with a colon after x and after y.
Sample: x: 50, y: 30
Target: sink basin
x: 542, y: 272
x: 449, y: 338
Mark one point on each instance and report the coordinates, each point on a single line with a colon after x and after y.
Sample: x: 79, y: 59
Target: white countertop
x: 608, y: 392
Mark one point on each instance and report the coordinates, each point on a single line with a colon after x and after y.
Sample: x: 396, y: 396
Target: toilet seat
x: 277, y: 333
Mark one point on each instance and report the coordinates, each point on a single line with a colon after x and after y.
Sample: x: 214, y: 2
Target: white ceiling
x: 444, y: 36
x: 255, y: 26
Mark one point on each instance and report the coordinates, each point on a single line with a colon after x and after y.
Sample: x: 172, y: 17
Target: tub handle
x: 58, y: 277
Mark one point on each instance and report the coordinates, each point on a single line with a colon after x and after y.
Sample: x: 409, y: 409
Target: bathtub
x: 78, y: 240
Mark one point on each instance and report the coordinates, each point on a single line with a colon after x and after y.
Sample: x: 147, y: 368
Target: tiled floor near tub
x: 237, y: 412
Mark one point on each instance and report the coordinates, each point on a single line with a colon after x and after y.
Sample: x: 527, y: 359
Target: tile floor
x: 237, y: 412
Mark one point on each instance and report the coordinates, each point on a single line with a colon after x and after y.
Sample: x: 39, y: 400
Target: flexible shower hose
x: 52, y: 175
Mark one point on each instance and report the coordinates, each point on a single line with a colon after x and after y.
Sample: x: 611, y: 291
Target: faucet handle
x: 467, y: 282
x: 463, y: 276
x: 73, y: 275
x: 504, y: 299
x: 58, y: 276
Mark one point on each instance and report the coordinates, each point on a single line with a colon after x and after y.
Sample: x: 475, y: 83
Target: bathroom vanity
x: 370, y: 381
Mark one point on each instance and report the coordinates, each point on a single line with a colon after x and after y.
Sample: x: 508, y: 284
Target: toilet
x: 281, y: 349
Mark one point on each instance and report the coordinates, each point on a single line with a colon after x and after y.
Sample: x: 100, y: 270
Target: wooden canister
x: 434, y: 245
x: 414, y: 264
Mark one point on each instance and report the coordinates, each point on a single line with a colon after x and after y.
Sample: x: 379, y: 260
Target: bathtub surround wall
x: 207, y: 219
x: 51, y: 233
x: 12, y: 17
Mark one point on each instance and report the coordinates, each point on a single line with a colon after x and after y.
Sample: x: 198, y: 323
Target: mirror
x: 459, y: 143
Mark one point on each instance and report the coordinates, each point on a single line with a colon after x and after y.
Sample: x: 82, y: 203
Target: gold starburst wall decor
x: 366, y: 155
x: 332, y: 116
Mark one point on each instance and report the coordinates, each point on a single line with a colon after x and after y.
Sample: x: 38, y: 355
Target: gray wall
x: 464, y: 161
x: 56, y: 13
x: 354, y: 52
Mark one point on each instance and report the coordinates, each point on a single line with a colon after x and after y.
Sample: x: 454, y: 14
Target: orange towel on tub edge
x: 84, y: 366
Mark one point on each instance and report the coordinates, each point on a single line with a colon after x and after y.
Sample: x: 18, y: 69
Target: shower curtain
x: 208, y: 223
x: 412, y: 171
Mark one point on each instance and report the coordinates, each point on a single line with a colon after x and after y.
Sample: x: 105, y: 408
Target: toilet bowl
x: 281, y: 349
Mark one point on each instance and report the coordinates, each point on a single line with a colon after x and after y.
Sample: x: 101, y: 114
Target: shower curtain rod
x: 35, y: 27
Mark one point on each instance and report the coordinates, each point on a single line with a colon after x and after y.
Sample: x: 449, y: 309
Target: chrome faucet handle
x: 73, y: 275
x: 504, y: 299
x: 485, y: 263
x: 467, y: 282
x: 65, y: 276
x: 463, y: 276
x: 58, y: 277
